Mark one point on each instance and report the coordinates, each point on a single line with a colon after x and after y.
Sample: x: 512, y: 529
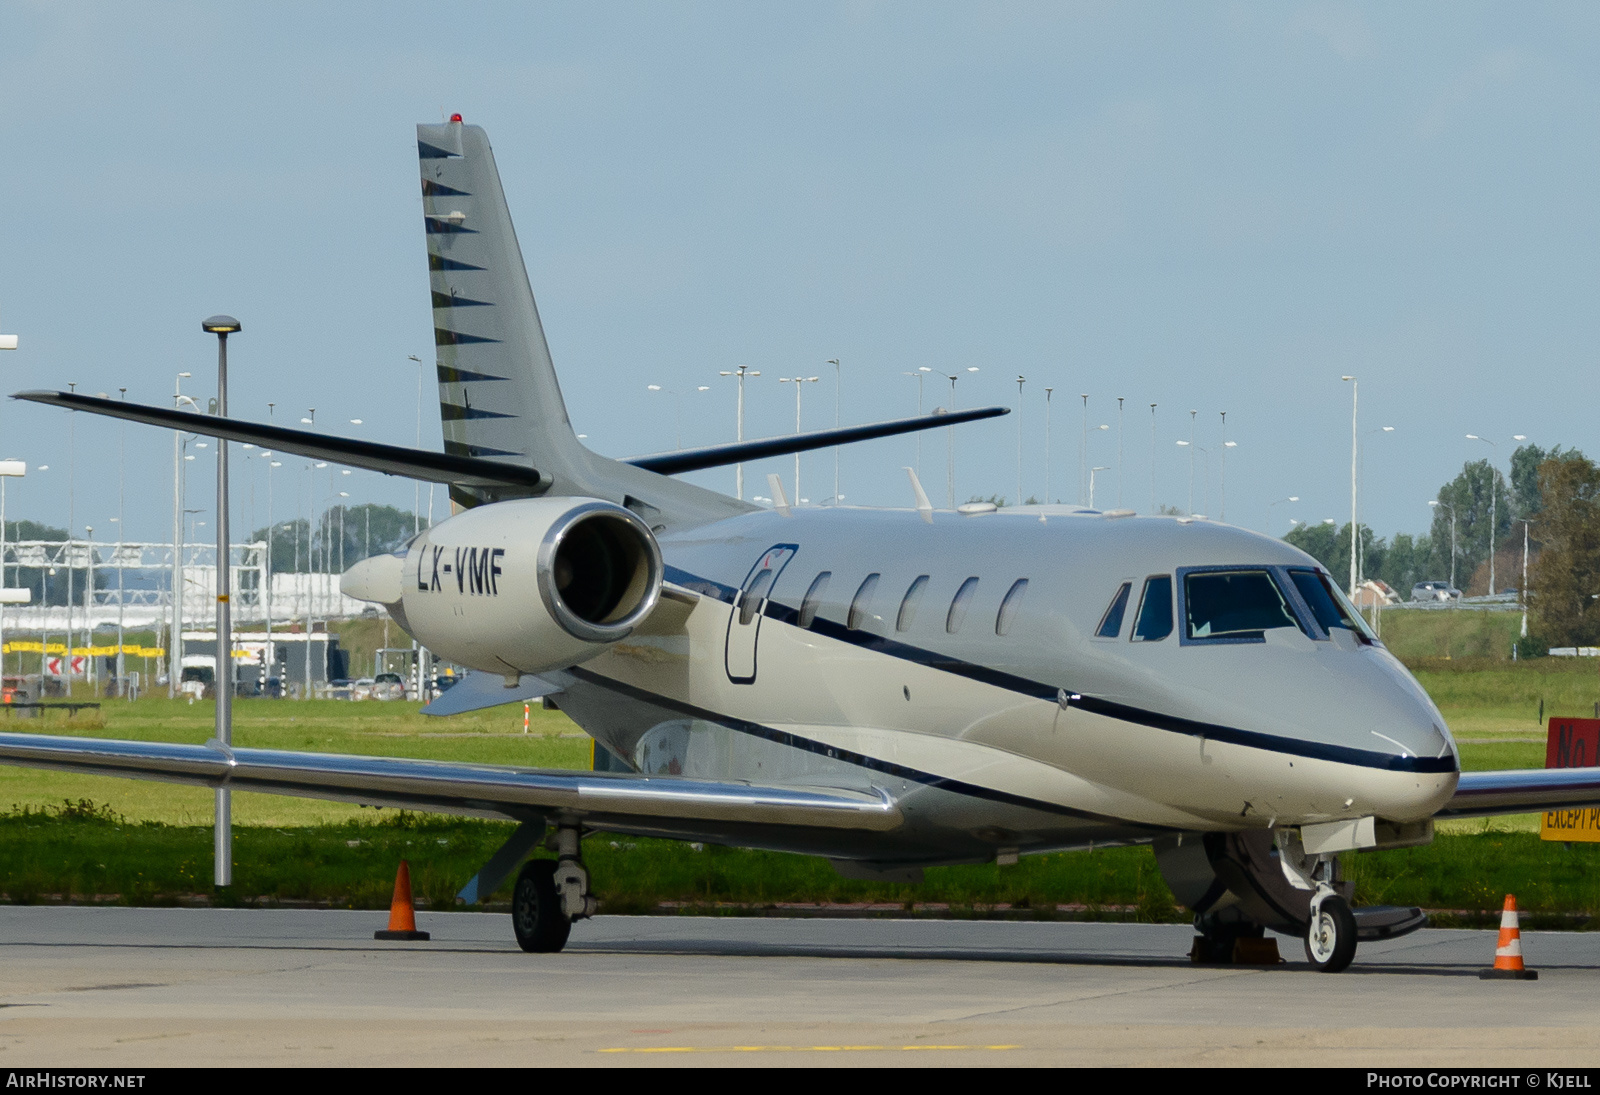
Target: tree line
x: 1552, y: 494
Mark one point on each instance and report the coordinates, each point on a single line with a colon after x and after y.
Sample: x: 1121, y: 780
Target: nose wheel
x: 1331, y: 935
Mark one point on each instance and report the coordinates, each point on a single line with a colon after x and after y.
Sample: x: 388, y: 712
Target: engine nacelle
x: 530, y: 585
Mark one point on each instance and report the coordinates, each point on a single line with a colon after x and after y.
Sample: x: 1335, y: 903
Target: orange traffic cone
x: 1508, y: 954
x: 402, y: 914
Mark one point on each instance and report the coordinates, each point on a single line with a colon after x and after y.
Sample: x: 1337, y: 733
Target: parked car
x: 1435, y: 591
x: 388, y: 686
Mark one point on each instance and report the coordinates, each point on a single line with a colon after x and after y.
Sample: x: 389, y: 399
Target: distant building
x: 1374, y: 593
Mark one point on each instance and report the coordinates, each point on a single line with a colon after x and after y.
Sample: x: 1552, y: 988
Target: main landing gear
x: 551, y: 894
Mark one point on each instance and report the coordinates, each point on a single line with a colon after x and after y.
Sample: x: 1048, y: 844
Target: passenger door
x: 744, y: 622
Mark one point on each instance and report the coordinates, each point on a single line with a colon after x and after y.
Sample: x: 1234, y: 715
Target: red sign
x: 1572, y: 743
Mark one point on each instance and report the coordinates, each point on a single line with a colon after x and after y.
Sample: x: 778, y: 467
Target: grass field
x: 150, y: 842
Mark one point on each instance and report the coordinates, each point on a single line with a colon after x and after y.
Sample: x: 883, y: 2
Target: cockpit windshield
x: 1241, y: 605
x: 1327, y: 603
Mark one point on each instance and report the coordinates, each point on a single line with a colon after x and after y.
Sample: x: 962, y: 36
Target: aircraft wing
x: 1523, y: 791
x: 625, y: 801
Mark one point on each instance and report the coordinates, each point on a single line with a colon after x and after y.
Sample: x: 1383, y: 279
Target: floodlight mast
x: 222, y: 868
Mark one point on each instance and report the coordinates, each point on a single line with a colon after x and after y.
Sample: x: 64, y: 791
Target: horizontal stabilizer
x: 431, y: 467
x: 476, y: 691
x: 718, y: 456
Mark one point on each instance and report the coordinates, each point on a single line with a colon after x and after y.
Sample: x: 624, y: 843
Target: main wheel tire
x: 1331, y: 937
x: 536, y: 914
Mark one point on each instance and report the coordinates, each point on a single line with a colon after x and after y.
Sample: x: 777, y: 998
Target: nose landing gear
x: 1331, y: 932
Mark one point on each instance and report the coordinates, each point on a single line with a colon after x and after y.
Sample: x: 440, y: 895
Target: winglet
x: 780, y: 501
x: 924, y: 507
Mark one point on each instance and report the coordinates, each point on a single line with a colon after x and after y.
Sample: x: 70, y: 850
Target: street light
x: 919, y: 375
x: 1355, y: 391
x: 175, y: 635
x: 738, y: 471
x: 950, y: 439
x: 8, y: 469
x: 1493, y: 514
x: 1021, y: 380
x: 1091, y: 483
x: 1279, y: 502
x: 222, y: 868
x: 838, y: 374
x: 799, y: 383
x: 1452, y: 510
x: 1047, y: 392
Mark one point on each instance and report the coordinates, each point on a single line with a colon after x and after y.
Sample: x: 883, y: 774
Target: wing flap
x: 1523, y: 791
x: 480, y: 790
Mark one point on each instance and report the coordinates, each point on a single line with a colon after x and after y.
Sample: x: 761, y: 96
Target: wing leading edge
x: 477, y: 790
x: 1523, y: 791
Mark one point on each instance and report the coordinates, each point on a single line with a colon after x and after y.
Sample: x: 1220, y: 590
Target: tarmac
x: 130, y: 988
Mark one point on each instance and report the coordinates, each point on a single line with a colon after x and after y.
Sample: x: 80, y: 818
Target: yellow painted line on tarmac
x: 789, y: 1049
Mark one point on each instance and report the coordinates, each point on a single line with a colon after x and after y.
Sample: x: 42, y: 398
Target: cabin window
x: 959, y: 604
x: 908, y: 604
x: 1009, y: 606
x: 1241, y: 605
x: 1111, y: 623
x: 813, y: 598
x: 861, y: 604
x: 1330, y: 609
x: 754, y: 594
x: 1155, y: 610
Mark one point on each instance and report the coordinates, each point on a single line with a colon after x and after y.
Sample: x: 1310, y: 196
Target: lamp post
x: 1355, y: 392
x: 1524, y: 592
x: 950, y: 440
x: 1222, y: 501
x: 738, y: 469
x: 175, y: 635
x: 1083, y: 449
x: 1279, y: 502
x: 837, y: 381
x: 1452, y: 510
x: 919, y: 375
x: 677, y: 407
x: 1047, y: 392
x: 222, y: 868
x: 8, y: 469
x: 1021, y: 380
x: 1361, y: 572
x: 1091, y: 483
x: 1493, y: 514
x: 1152, y: 459
x: 1119, y: 452
x: 799, y: 383
x: 1190, y: 444
x: 122, y: 464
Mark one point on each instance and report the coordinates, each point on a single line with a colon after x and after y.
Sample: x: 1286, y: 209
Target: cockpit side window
x: 1327, y: 604
x: 1111, y: 623
x: 1233, y: 605
x: 1155, y: 610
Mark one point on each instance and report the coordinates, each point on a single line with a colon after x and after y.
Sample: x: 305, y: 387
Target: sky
x: 1217, y: 208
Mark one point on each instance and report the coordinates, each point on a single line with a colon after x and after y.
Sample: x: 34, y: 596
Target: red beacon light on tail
x: 455, y: 119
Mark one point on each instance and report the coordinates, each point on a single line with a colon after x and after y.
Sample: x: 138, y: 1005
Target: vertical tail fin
x: 498, y: 394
